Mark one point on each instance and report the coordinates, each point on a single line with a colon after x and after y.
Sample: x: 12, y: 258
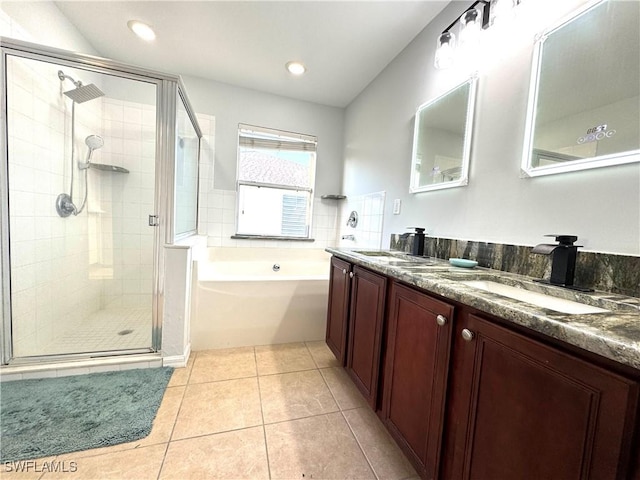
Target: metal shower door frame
x: 167, y: 87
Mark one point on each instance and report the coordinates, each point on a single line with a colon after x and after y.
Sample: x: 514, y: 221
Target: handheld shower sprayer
x: 94, y: 142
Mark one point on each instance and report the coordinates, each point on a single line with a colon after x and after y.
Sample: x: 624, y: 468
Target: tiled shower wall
x: 206, y: 192
x: 368, y: 232
x: 50, y: 274
x: 218, y: 221
x: 217, y: 210
x: 119, y: 213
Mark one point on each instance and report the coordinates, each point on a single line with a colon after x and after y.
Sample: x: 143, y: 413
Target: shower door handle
x: 153, y: 220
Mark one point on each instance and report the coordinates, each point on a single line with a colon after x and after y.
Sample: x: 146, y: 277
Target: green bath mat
x: 50, y: 416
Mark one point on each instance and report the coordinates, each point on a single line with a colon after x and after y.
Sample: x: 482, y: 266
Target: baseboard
x: 177, y: 361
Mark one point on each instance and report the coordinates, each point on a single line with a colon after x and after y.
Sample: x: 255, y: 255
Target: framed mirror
x: 442, y: 140
x: 584, y: 97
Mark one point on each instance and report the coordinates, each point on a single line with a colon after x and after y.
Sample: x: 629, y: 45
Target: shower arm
x: 63, y: 76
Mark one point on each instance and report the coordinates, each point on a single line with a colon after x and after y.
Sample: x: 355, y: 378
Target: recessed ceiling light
x: 142, y: 30
x: 296, y: 68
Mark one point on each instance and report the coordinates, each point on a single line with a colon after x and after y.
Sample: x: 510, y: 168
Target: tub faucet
x: 563, y: 260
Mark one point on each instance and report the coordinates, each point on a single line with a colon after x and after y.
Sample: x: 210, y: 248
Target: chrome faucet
x: 563, y: 260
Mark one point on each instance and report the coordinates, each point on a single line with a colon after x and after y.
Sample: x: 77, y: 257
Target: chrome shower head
x: 84, y: 93
x: 94, y: 142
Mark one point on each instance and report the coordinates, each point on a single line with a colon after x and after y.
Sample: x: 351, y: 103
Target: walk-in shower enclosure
x: 99, y: 172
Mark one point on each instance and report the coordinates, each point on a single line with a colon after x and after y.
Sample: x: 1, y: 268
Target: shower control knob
x: 441, y: 320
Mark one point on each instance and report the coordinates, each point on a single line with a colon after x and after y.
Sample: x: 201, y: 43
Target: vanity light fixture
x: 142, y: 30
x: 445, y: 50
x: 478, y: 17
x: 295, y: 68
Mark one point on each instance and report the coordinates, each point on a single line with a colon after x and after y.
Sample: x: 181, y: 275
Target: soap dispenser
x: 418, y: 241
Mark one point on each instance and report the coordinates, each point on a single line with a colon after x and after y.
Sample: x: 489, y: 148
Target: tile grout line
x: 175, y: 421
x: 264, y: 429
x: 311, y: 355
x: 341, y: 411
x: 360, y: 445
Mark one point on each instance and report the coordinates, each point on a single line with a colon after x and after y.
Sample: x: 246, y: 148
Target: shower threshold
x: 98, y: 334
x: 44, y: 367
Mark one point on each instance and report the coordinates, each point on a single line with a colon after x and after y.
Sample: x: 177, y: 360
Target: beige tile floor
x: 281, y: 412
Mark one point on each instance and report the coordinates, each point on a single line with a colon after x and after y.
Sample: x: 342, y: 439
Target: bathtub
x: 241, y: 300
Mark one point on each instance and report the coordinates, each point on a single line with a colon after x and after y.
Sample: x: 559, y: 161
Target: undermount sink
x: 411, y: 263
x: 383, y: 256
x: 539, y: 299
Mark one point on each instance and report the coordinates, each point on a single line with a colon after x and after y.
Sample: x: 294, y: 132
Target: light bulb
x: 470, y: 27
x: 502, y: 10
x: 445, y: 50
x: 142, y: 30
x: 295, y: 68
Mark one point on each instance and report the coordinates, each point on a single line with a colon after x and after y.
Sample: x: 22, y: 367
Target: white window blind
x: 276, y: 174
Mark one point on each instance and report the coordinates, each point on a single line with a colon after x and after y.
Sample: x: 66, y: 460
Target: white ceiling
x: 344, y: 44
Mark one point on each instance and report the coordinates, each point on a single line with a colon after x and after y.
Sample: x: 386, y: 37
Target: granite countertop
x: 614, y: 334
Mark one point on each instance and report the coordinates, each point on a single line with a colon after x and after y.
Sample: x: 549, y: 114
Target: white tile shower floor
x: 117, y: 328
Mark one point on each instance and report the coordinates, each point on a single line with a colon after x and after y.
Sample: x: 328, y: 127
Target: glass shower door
x: 81, y: 185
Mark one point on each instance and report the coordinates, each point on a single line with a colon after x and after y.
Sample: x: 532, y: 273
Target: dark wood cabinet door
x: 338, y: 308
x: 528, y: 410
x: 417, y: 364
x: 368, y: 294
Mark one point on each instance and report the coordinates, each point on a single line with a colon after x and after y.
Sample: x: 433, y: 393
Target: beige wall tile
x: 289, y: 357
x: 294, y: 395
x: 316, y: 447
x: 218, y: 407
x: 231, y: 455
x: 342, y: 388
x: 224, y: 364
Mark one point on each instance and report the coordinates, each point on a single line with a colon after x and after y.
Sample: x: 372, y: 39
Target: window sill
x: 266, y: 237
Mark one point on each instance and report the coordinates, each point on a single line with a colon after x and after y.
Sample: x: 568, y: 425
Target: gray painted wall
x: 233, y: 105
x: 601, y: 206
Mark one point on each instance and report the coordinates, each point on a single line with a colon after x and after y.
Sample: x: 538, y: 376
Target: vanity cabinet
x: 366, y: 316
x: 417, y: 364
x: 470, y: 396
x: 522, y: 409
x: 338, y: 308
x: 355, y: 316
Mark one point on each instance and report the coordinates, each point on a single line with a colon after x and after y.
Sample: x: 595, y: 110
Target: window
x: 276, y: 173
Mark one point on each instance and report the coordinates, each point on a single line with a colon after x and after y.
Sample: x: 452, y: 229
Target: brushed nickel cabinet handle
x: 441, y: 320
x: 467, y: 335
